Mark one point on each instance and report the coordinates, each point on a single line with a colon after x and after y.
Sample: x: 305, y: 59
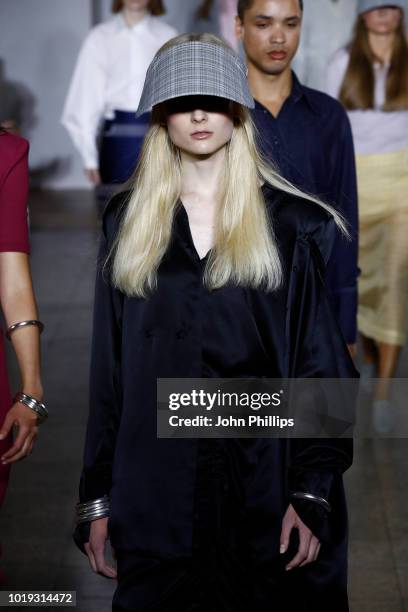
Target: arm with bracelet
x: 93, y: 509
x: 316, y: 465
x: 18, y: 305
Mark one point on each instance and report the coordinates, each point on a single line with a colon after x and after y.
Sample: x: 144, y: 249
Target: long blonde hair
x: 245, y: 250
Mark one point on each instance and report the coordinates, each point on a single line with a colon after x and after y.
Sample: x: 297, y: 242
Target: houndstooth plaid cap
x: 195, y: 68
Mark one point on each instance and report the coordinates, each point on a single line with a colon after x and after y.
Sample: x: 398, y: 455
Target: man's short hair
x: 244, y: 5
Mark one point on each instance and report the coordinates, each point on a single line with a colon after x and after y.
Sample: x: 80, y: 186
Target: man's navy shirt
x: 311, y: 144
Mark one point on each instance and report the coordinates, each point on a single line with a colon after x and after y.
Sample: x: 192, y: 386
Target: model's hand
x: 309, y: 545
x: 95, y: 548
x: 93, y: 175
x: 26, y: 422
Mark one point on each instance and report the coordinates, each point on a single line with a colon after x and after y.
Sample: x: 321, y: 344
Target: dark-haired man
x: 307, y: 135
x: 304, y: 132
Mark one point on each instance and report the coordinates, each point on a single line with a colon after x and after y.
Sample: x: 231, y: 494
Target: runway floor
x: 37, y: 519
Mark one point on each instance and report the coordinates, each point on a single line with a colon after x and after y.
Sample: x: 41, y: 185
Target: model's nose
x: 277, y: 35
x: 198, y: 116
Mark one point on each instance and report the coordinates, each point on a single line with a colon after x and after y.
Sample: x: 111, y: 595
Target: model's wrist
x: 92, y: 510
x: 33, y: 388
x: 316, y: 499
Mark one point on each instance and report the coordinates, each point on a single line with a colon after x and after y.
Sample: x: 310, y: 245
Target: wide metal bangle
x: 32, y: 403
x: 15, y: 326
x: 314, y: 498
x: 92, y: 510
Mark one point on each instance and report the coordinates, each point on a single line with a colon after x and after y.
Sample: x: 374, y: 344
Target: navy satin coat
x: 171, y: 497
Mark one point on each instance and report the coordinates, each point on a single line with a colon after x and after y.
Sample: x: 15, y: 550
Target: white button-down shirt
x: 109, y: 75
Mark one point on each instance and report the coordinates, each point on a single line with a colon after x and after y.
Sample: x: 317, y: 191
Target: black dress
x: 196, y: 523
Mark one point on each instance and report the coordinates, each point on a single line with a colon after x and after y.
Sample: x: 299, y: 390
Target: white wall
x: 39, y: 42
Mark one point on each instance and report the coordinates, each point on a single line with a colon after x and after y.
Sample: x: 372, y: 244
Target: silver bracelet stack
x: 92, y: 510
x: 30, y: 401
x: 21, y: 324
x: 314, y: 498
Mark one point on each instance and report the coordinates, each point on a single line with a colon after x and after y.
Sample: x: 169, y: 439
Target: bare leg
x: 388, y: 355
x: 370, y: 353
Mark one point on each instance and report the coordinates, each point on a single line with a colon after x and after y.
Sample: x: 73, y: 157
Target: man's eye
x: 261, y: 25
x: 292, y: 24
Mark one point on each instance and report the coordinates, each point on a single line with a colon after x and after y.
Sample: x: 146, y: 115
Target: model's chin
x: 275, y: 66
x: 203, y: 147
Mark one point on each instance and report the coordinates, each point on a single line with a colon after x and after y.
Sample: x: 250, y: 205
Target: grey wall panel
x: 39, y: 43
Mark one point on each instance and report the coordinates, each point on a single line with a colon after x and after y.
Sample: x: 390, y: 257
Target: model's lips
x: 201, y: 135
x: 277, y: 55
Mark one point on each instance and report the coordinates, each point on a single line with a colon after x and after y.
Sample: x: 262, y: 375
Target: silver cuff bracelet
x: 92, y: 510
x: 23, y: 324
x: 29, y: 401
x: 314, y: 498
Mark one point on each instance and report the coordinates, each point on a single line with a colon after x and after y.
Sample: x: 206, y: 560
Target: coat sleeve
x: 342, y: 268
x: 318, y: 350
x: 105, y: 384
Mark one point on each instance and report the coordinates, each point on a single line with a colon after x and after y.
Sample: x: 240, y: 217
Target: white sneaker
x: 367, y: 375
x: 383, y: 416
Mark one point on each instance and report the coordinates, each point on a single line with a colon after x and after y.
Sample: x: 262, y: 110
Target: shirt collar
x: 299, y: 92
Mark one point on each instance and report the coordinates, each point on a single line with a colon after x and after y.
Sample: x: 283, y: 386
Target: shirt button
x: 294, y: 268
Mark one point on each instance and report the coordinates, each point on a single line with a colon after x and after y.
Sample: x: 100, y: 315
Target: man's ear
x: 239, y: 28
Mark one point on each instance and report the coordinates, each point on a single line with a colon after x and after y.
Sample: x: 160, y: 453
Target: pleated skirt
x: 383, y: 255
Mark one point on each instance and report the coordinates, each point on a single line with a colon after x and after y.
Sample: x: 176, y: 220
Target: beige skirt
x: 383, y: 254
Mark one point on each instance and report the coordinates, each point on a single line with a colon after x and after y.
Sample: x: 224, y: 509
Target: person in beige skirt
x: 370, y: 77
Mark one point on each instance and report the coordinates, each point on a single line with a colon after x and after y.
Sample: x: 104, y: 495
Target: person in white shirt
x: 106, y: 87
x: 370, y: 77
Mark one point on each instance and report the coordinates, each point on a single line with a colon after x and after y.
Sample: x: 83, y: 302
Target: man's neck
x: 133, y: 17
x: 271, y: 90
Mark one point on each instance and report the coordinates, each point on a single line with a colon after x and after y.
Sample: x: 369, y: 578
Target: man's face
x: 270, y: 32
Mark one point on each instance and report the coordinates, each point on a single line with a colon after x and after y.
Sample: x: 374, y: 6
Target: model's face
x: 270, y: 32
x: 384, y: 20
x: 199, y: 125
x: 135, y: 5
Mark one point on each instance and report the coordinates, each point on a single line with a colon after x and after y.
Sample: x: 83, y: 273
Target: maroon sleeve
x: 13, y: 194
